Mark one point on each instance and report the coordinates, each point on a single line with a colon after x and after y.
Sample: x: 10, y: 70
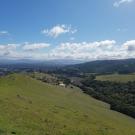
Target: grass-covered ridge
x: 30, y: 107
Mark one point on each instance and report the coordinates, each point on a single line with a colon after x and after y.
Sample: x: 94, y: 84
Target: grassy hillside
x: 116, y: 77
x: 30, y: 107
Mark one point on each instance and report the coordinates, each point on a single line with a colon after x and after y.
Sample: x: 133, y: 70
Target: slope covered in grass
x: 30, y: 107
x: 116, y: 77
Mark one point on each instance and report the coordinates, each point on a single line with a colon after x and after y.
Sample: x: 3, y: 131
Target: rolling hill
x: 104, y: 66
x: 31, y: 107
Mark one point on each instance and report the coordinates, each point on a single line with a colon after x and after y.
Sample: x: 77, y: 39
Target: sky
x: 67, y: 29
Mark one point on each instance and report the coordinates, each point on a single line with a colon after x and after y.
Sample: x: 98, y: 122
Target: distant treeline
x: 120, y: 96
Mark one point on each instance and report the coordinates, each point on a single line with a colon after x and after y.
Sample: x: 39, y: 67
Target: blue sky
x: 75, y: 29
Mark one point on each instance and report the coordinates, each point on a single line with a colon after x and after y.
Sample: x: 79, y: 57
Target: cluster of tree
x: 64, y: 79
x: 120, y: 96
x: 69, y: 72
x: 51, y: 78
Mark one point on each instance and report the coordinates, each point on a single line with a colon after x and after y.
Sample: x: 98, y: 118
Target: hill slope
x: 116, y: 77
x: 30, y: 107
x: 105, y: 66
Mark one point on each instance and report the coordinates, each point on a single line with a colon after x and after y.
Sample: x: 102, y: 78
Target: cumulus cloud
x: 130, y: 45
x: 84, y: 50
x: 59, y: 30
x: 23, y: 50
x: 97, y: 50
x: 120, y: 2
x: 7, y: 49
x: 35, y: 46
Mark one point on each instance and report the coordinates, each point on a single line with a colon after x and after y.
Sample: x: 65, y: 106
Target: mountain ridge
x: 106, y: 66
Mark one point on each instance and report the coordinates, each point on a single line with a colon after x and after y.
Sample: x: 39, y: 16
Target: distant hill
x: 30, y: 107
x: 52, y: 62
x: 30, y: 64
x: 105, y: 66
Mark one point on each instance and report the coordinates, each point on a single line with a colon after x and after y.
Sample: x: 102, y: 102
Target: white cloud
x: 97, y: 50
x: 23, y: 50
x: 84, y: 46
x: 84, y: 50
x: 35, y: 46
x: 58, y: 30
x: 4, y: 32
x: 120, y: 2
x: 130, y: 45
x: 7, y: 49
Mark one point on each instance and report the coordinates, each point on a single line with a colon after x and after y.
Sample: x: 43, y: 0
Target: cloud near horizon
x: 35, y: 46
x: 98, y: 50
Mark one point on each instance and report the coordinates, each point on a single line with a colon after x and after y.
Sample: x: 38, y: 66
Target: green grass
x: 116, y: 77
x: 30, y: 107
